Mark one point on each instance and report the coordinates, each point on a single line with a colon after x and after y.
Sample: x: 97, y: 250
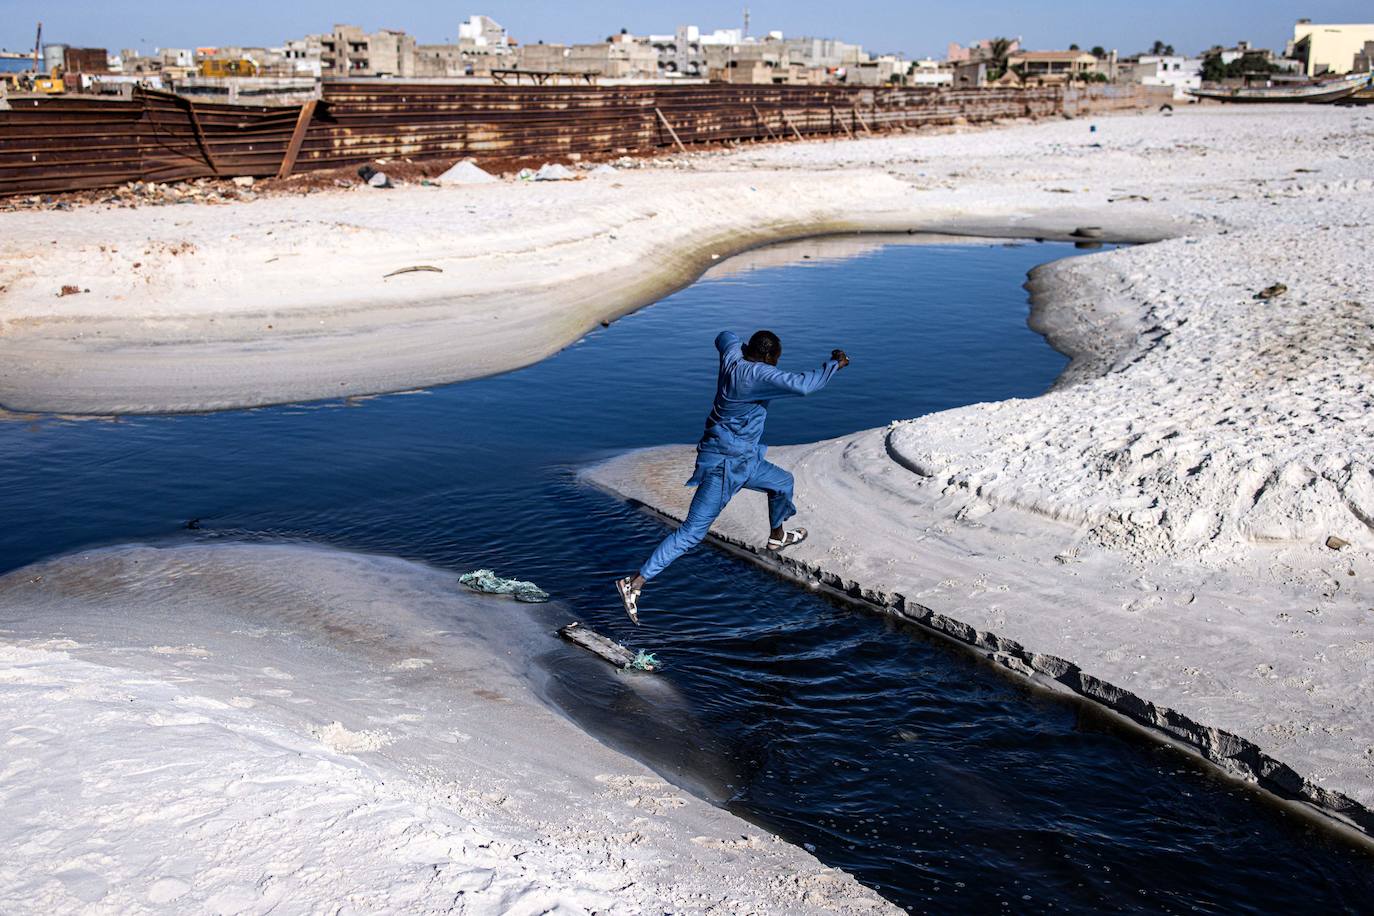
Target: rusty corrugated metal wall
x: 68, y: 143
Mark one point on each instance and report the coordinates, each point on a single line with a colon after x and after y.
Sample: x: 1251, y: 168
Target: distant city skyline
x: 916, y: 29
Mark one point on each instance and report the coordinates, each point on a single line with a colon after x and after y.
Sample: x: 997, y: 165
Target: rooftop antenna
x: 746, y: 22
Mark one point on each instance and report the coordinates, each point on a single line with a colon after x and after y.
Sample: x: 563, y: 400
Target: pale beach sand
x: 254, y: 728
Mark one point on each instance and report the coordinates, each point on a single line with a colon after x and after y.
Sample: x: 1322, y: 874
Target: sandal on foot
x: 630, y: 596
x: 789, y: 537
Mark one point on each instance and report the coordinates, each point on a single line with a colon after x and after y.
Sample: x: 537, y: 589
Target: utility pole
x: 746, y: 22
x: 37, y: 46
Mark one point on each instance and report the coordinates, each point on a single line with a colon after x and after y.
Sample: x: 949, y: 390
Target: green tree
x: 999, y: 49
x: 1160, y: 49
x: 1073, y: 47
x: 1098, y: 51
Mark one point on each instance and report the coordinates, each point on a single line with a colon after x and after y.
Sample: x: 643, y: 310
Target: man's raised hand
x: 839, y: 357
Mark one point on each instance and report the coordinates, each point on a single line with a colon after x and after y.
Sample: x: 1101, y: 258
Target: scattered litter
x: 552, y: 171
x: 1336, y: 543
x: 608, y: 649
x: 1270, y: 292
x: 603, y: 169
x: 373, y: 177
x: 69, y: 290
x: 484, y: 580
x: 243, y: 181
x: 466, y: 172
x: 411, y: 270
x: 1112, y: 200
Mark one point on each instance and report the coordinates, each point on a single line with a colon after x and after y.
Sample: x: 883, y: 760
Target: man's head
x: 763, y: 347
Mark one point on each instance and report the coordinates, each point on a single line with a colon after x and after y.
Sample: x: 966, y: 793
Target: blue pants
x: 713, y: 493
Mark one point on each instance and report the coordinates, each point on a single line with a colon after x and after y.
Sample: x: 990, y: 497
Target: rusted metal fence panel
x: 70, y: 143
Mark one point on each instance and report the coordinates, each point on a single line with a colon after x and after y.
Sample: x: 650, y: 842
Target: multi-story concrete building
x: 1329, y: 48
x: 348, y: 51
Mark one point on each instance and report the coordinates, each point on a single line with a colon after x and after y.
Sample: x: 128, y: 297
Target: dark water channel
x: 931, y: 778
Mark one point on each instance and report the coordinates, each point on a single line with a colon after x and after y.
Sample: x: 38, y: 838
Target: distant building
x: 931, y: 73
x: 348, y: 51
x: 1178, y: 73
x: 1325, y: 48
x: 623, y: 57
x: 978, y: 50
x: 972, y: 74
x: 542, y: 58
x: 1051, y: 66
x: 483, y: 32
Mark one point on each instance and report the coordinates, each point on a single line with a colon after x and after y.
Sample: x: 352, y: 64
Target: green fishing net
x: 484, y: 580
x: 644, y: 661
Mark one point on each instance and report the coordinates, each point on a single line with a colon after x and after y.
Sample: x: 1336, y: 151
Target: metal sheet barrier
x: 69, y: 143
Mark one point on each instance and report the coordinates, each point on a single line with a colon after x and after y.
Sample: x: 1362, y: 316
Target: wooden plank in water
x: 595, y: 643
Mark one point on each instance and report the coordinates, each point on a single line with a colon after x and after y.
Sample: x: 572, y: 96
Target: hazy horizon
x: 914, y: 29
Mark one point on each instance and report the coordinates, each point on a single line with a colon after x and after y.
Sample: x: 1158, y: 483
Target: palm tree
x: 999, y: 49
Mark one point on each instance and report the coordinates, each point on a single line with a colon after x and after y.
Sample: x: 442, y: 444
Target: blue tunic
x: 743, y: 390
x: 729, y: 455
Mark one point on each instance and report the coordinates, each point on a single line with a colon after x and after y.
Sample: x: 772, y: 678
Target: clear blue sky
x: 916, y: 27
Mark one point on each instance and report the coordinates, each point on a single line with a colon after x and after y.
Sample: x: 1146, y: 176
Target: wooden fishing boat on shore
x: 1313, y: 93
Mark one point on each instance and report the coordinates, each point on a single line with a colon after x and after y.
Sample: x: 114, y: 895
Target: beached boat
x: 1316, y: 93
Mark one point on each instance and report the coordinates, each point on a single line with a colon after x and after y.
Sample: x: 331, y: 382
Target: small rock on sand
x: 1336, y: 543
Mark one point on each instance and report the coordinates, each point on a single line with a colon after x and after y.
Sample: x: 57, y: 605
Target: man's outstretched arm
x: 781, y: 383
x: 726, y: 340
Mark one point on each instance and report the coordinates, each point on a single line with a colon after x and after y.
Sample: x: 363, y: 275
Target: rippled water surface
x: 929, y: 776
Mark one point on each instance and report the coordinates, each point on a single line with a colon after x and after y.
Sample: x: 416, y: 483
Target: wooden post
x: 676, y: 139
x: 293, y: 149
x: 836, y: 115
x: 788, y: 121
x: 766, y: 127
x: 860, y: 119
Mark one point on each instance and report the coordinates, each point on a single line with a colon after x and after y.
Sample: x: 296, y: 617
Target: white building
x: 930, y: 72
x: 483, y: 32
x: 1180, y: 73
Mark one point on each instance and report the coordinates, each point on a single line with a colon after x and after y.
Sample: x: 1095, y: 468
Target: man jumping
x: 729, y: 456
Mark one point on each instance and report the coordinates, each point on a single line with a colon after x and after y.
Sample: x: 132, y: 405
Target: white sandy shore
x: 234, y: 729
x: 1152, y: 532
x: 199, y: 307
